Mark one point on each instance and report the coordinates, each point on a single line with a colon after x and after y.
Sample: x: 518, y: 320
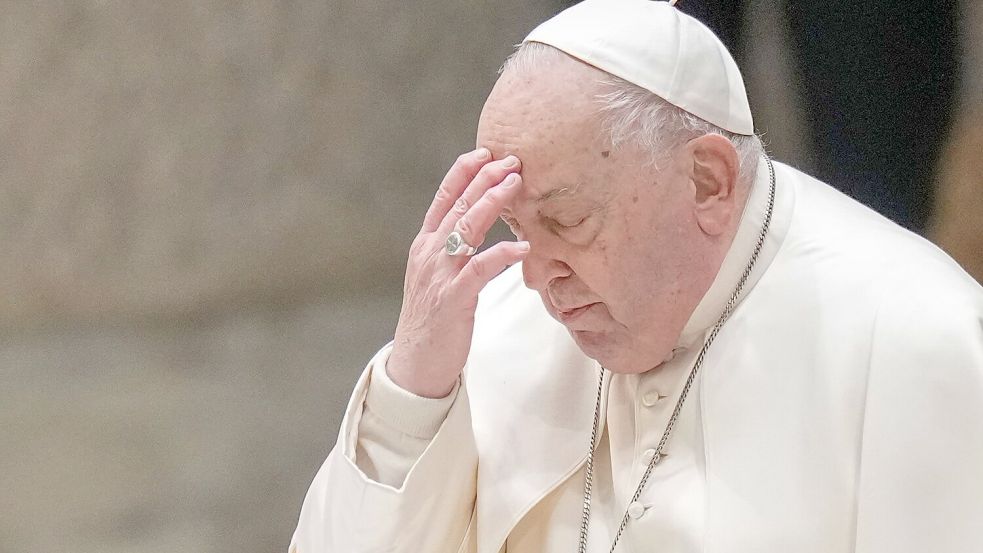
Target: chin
x: 627, y: 368
x: 609, y: 352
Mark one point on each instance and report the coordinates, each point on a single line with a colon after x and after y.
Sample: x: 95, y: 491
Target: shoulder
x: 841, y: 229
x: 847, y: 274
x: 847, y: 248
x: 930, y: 318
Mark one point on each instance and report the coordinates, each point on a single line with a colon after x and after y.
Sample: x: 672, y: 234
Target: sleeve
x: 429, y: 508
x: 921, y: 466
x: 396, y: 426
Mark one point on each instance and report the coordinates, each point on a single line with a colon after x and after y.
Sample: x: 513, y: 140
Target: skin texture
x: 620, y: 252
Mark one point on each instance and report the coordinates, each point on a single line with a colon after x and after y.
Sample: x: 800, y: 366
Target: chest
x: 669, y: 513
x: 771, y: 457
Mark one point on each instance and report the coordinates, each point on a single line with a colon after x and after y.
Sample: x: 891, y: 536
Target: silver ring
x: 456, y: 246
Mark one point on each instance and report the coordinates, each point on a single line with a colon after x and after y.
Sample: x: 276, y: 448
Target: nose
x: 539, y: 269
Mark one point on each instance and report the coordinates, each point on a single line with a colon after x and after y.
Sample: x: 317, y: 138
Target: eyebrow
x: 555, y: 193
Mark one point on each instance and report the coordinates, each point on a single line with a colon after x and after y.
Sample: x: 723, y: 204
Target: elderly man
x: 701, y: 350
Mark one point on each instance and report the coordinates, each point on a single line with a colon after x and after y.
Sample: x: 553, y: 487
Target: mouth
x: 567, y: 316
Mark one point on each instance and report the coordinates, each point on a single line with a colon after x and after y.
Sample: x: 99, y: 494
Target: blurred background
x: 205, y: 209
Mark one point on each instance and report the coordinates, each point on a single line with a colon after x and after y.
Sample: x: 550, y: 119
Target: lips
x: 569, y: 315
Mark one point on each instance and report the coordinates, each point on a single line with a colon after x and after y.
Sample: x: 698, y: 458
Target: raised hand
x: 440, y: 291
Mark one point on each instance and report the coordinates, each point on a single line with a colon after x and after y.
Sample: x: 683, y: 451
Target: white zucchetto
x: 657, y: 47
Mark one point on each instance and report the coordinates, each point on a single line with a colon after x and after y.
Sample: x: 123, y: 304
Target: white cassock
x: 839, y: 410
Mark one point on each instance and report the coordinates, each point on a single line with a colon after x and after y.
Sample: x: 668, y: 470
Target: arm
x: 396, y: 426
x: 393, y: 488
x: 387, y: 491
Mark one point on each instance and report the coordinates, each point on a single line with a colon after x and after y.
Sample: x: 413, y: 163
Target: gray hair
x: 631, y: 114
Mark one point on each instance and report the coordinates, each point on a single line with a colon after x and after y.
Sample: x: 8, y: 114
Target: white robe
x: 839, y: 410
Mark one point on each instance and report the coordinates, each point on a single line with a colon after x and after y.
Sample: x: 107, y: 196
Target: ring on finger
x: 455, y: 245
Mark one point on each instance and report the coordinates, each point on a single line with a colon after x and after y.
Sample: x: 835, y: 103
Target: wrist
x: 403, y: 410
x: 417, y: 381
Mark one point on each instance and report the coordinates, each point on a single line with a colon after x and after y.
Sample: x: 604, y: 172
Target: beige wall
x: 176, y: 157
x: 204, y: 209
x: 957, y: 224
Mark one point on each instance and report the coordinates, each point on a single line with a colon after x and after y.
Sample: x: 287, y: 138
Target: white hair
x: 631, y: 114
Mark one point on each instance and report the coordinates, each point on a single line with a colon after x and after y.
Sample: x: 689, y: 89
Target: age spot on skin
x: 605, y: 153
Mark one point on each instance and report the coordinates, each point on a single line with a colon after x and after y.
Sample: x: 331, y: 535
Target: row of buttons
x: 636, y: 509
x: 649, y: 399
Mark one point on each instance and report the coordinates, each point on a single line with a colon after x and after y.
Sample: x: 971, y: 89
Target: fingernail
x: 510, y: 180
x: 511, y: 161
x: 483, y: 154
x: 523, y: 246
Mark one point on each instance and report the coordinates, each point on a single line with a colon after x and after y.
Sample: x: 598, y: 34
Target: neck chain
x: 728, y: 309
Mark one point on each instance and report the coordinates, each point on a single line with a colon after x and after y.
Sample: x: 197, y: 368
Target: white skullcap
x: 659, y: 48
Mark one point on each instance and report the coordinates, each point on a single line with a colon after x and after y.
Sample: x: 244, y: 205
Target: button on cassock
x: 651, y: 398
x: 636, y: 510
x: 648, y: 456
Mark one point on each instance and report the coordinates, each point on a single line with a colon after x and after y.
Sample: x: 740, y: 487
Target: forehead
x: 549, y: 121
x: 528, y: 108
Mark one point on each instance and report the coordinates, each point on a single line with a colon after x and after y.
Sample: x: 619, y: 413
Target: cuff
x: 405, y: 411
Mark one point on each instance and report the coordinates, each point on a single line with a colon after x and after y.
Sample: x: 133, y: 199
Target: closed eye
x: 568, y: 224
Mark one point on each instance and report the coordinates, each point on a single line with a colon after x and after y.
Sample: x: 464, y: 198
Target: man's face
x: 615, y: 251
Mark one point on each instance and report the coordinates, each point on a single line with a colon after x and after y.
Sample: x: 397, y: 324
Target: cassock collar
x: 735, y: 261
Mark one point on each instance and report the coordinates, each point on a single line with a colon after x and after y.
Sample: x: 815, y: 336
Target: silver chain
x: 728, y: 309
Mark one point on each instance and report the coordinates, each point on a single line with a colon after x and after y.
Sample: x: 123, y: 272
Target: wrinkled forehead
x: 554, y: 106
x: 550, y: 121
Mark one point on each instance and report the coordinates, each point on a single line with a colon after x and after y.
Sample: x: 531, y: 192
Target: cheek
x: 610, y: 268
x: 636, y: 273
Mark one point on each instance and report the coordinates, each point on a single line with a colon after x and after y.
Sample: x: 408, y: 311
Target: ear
x: 714, y: 176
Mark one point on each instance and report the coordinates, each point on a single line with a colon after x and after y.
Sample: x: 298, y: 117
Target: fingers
x: 485, y: 266
x: 474, y: 224
x: 455, y: 181
x: 488, y: 177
